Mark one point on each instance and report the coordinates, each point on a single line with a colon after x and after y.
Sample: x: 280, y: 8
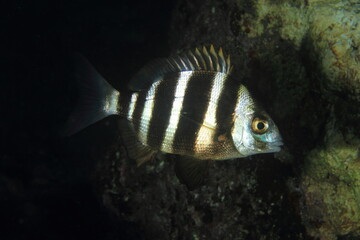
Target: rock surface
x: 331, y: 184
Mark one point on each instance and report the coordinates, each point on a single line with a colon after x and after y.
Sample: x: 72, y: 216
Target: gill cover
x: 253, y: 131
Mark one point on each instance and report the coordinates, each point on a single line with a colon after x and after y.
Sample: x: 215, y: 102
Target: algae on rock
x: 332, y: 26
x: 331, y: 185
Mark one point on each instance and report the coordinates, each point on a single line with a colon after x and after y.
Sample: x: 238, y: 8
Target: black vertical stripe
x: 226, y: 105
x: 164, y: 99
x: 124, y: 103
x: 195, y: 104
x: 139, y: 108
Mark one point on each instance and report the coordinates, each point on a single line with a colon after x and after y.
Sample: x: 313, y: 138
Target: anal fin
x: 191, y: 171
x: 135, y: 149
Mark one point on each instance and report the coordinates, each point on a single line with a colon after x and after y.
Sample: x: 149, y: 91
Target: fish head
x: 254, y: 131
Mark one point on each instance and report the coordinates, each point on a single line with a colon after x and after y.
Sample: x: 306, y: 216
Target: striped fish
x: 188, y: 105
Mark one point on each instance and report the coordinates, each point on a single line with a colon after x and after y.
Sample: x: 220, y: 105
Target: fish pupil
x: 260, y: 125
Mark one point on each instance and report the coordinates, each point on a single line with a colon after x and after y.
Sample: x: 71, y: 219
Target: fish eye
x: 259, y: 126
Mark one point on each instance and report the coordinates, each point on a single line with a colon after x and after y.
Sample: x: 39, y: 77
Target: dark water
x: 46, y: 189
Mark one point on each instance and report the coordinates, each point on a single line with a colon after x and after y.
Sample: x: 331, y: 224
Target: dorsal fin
x: 200, y: 60
x: 204, y: 59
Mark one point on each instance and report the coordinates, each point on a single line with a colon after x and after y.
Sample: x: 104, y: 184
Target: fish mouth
x: 275, y: 146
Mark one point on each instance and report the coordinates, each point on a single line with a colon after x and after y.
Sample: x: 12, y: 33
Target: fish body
x: 189, y: 105
x: 179, y: 114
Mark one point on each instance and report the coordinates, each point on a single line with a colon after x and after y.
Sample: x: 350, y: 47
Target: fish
x: 189, y: 105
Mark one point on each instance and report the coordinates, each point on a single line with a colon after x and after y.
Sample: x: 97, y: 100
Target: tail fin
x: 98, y: 99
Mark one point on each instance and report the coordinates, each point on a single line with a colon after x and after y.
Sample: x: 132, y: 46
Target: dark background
x: 46, y: 181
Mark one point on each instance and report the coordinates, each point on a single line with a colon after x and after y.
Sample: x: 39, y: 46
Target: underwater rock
x: 331, y: 184
x: 301, y: 59
x: 237, y: 201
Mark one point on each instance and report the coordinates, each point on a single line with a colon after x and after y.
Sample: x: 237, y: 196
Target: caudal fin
x: 97, y: 98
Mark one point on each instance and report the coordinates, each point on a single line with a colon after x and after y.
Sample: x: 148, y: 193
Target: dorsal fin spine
x: 228, y: 64
x: 201, y: 58
x: 172, y: 64
x: 177, y: 64
x: 204, y: 59
x: 222, y: 61
x: 182, y: 64
x: 186, y: 66
x: 191, y: 66
x: 215, y: 58
x: 193, y: 58
x: 207, y: 58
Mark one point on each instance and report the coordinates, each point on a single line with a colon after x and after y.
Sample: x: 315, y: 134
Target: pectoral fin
x: 191, y: 171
